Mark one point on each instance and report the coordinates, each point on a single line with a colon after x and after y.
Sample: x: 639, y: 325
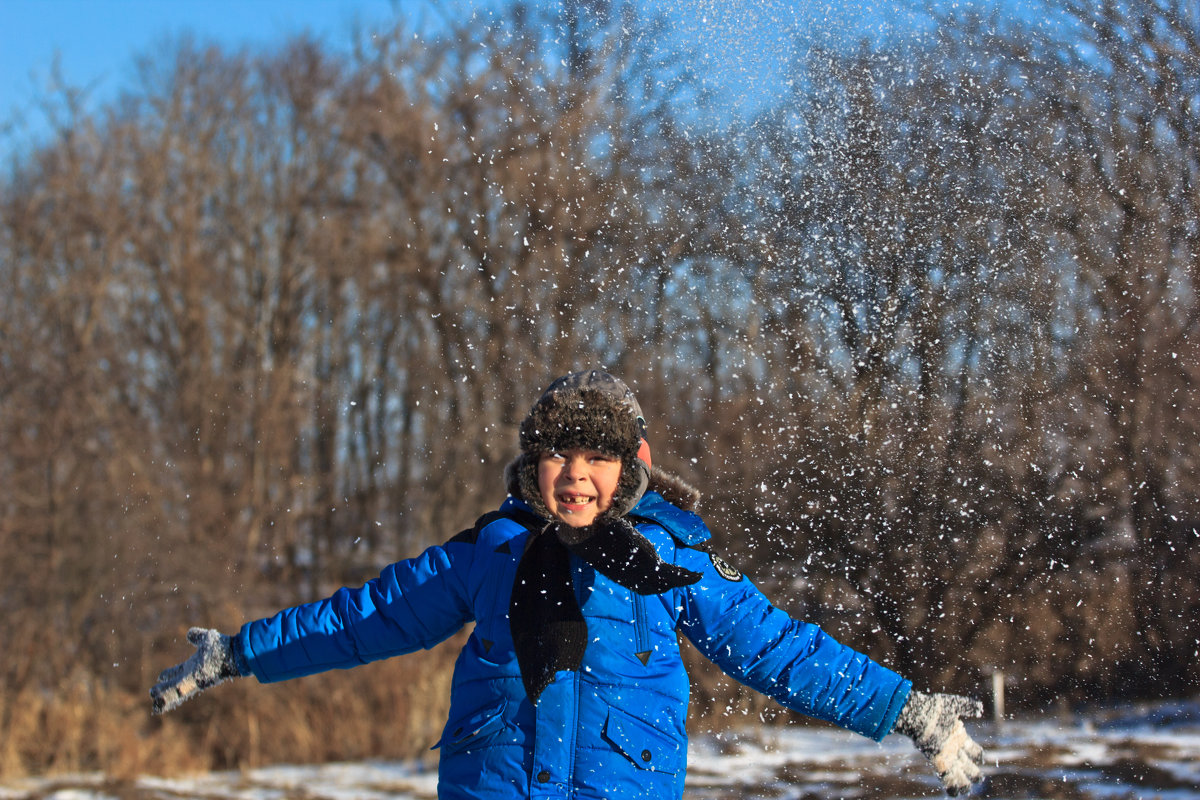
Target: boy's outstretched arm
x: 212, y: 663
x: 935, y: 724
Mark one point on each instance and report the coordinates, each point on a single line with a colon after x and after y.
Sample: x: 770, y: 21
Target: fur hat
x: 590, y: 410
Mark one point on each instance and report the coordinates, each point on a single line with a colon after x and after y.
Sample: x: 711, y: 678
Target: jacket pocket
x: 646, y: 746
x: 472, y: 729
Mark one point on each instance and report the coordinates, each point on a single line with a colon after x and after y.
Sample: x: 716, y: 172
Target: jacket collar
x: 685, y: 526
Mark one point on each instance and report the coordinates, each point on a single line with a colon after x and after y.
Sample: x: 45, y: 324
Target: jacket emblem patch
x: 724, y: 568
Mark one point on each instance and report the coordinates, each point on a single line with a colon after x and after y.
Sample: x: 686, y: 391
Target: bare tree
x: 926, y: 333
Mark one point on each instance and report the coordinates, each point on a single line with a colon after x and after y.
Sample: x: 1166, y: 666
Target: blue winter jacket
x: 614, y: 729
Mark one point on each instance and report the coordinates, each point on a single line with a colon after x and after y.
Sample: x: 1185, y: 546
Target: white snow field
x: 1126, y: 753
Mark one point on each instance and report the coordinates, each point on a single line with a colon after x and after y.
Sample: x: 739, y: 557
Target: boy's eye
x: 592, y: 457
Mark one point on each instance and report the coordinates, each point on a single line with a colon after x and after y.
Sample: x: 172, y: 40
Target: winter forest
x: 925, y: 331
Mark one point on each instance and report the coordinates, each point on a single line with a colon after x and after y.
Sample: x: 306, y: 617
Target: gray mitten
x: 212, y: 663
x: 934, y: 723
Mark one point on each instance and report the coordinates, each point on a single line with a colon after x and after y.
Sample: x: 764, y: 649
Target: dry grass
x: 392, y: 709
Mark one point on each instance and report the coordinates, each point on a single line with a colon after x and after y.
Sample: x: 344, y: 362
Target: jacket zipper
x: 641, y: 627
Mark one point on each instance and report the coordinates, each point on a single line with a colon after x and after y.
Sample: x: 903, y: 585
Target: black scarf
x: 548, y: 629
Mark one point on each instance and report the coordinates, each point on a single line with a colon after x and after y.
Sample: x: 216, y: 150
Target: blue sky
x: 96, y: 42
x: 98, y: 39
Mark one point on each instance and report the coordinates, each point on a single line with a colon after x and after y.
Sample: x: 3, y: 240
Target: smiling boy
x: 578, y: 485
x: 571, y: 684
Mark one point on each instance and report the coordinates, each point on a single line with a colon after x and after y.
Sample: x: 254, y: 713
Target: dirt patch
x: 1135, y: 772
x: 1021, y: 785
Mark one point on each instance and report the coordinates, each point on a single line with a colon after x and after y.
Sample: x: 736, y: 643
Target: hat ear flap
x: 522, y: 477
x: 634, y: 480
x: 642, y: 471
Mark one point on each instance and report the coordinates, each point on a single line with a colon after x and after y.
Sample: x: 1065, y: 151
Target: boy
x: 571, y: 684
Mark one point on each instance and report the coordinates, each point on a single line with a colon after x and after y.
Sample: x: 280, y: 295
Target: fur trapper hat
x: 591, y: 410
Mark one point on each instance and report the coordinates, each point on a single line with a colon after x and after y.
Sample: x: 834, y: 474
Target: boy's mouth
x: 575, y: 500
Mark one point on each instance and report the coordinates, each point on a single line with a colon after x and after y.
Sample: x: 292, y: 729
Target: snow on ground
x: 1128, y: 753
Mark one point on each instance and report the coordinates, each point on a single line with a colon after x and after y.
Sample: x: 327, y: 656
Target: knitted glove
x: 212, y: 663
x: 933, y: 722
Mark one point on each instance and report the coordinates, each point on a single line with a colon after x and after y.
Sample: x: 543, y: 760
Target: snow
x: 1124, y: 753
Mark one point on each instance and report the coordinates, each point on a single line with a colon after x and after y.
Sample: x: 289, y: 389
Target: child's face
x: 578, y: 485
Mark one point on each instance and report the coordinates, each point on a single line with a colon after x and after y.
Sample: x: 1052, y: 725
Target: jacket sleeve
x: 796, y: 663
x: 413, y: 604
